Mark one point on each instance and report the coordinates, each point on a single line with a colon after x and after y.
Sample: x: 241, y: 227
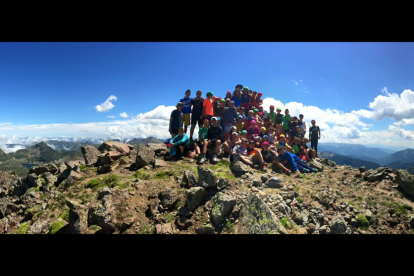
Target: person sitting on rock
x: 270, y: 156
x: 307, y: 151
x: 263, y: 132
x: 214, y: 138
x: 231, y: 142
x: 258, y: 142
x: 294, y: 160
x: 181, y: 143
x: 240, y: 123
x: 241, y: 152
x: 244, y: 134
x: 282, y: 142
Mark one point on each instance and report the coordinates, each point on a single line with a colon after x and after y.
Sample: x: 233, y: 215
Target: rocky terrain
x: 122, y: 189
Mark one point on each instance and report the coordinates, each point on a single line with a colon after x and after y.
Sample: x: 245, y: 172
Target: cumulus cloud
x: 107, y: 105
x: 406, y: 134
x: 123, y: 115
x: 391, y: 105
x: 111, y: 116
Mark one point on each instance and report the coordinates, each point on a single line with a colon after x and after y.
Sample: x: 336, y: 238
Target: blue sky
x: 53, y: 89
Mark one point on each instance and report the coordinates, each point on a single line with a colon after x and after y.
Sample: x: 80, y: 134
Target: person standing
x: 302, y: 124
x: 229, y: 117
x: 208, y: 112
x: 314, y: 136
x: 272, y: 115
x: 186, y: 109
x: 286, y: 120
x: 196, y: 113
x: 176, y: 120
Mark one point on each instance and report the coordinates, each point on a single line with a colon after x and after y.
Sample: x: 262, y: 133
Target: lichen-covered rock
x: 145, y: 156
x: 222, y: 207
x: 257, y: 218
x: 158, y: 148
x: 315, y: 164
x: 274, y: 182
x: 90, y: 153
x: 33, y: 180
x: 405, y: 181
x: 56, y: 226
x: 338, y: 226
x: 189, y: 179
x: 326, y: 162
x: 103, y: 192
x: 106, y: 213
x: 38, y: 227
x: 206, y: 178
x: 78, y: 217
x: 168, y: 199
x: 373, y: 175
x: 238, y: 166
x: 222, y: 183
x: 205, y: 229
x: 72, y: 177
x: 195, y: 196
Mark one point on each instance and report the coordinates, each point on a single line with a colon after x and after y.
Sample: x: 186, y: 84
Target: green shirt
x: 295, y: 149
x: 203, y: 133
x: 285, y: 121
x: 272, y: 116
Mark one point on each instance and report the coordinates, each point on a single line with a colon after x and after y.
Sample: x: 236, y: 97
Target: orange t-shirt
x: 208, y: 106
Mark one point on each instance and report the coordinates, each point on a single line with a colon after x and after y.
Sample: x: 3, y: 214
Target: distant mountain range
x: 345, y: 160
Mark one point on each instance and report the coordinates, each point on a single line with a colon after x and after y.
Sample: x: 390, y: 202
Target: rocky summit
x: 120, y: 188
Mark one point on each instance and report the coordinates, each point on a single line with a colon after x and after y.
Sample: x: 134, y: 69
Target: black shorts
x: 199, y: 144
x: 196, y: 118
x: 174, y: 130
x: 269, y: 159
x: 213, y: 143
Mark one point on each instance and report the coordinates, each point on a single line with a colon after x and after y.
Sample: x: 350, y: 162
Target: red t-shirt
x: 208, y: 106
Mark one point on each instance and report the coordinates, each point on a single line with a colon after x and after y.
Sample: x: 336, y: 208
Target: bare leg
x: 245, y: 160
x: 197, y: 148
x: 226, y: 147
x: 205, y: 145
x: 258, y: 156
x: 216, y: 149
x: 181, y: 148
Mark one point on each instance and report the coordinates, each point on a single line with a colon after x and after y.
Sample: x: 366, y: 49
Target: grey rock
x: 145, y: 156
x: 90, y: 154
x: 368, y: 214
x: 405, y: 181
x: 78, y: 217
x: 183, y: 223
x: 222, y: 207
x: 315, y: 164
x: 284, y: 209
x: 205, y: 229
x: 326, y: 162
x: 362, y: 169
x: 158, y: 148
x: 38, y: 170
x: 256, y: 183
x: 324, y: 229
x: 274, y: 182
x: 189, y: 179
x: 109, y: 145
x: 338, y: 225
x: 222, y: 183
x: 412, y: 222
x: 104, y: 169
x: 264, y: 178
x: 72, y: 177
x: 168, y: 199
x: 17, y: 187
x: 194, y: 197
x: 185, y: 212
x: 238, y: 166
x: 33, y: 180
x: 206, y: 178
x: 39, y: 227
x: 103, y: 192
x: 257, y: 218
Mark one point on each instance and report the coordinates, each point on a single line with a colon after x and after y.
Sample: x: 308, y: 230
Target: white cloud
x: 391, y: 105
x: 107, y: 105
x: 123, y: 115
x: 406, y: 134
x: 111, y: 116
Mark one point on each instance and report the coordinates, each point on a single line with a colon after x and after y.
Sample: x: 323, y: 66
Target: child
x: 228, y: 96
x: 279, y: 116
x: 279, y: 131
x: 263, y: 132
x: 241, y: 152
x: 294, y: 160
x: 186, y: 109
x: 180, y: 143
x: 314, y: 137
x: 246, y: 99
x: 240, y: 123
x: 248, y: 120
x: 253, y: 129
x: 272, y: 115
x: 202, y: 139
x: 208, y: 112
x: 286, y: 120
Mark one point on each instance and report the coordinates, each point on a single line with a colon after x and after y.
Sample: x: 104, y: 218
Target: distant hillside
x: 352, y: 149
x: 3, y: 156
x: 345, y: 160
x: 410, y: 170
x: 14, y: 165
x: 366, y: 158
x: 144, y: 141
x: 404, y: 156
x: 40, y: 152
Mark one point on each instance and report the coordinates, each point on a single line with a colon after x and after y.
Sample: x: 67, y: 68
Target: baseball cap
x: 213, y: 118
x: 260, y: 113
x: 300, y: 115
x: 218, y: 119
x: 282, y: 135
x: 258, y: 138
x: 260, y: 106
x: 214, y: 97
x: 250, y: 111
x: 223, y: 100
x: 235, y: 134
x: 259, y: 94
x: 263, y: 128
x: 228, y: 91
x: 209, y: 93
x: 240, y: 116
x: 280, y: 147
x: 253, y: 121
x: 294, y: 117
x: 246, y: 88
x: 279, y: 109
x: 265, y: 144
x: 265, y: 136
x: 228, y: 100
x: 232, y: 102
x: 272, y: 106
x: 244, y: 140
x: 255, y: 110
x: 244, y: 131
x: 254, y: 92
x: 233, y: 127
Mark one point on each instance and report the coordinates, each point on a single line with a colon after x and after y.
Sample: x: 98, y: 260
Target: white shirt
x: 303, y: 126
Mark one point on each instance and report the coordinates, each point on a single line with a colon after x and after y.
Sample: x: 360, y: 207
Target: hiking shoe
x: 214, y: 159
x: 263, y: 167
x: 202, y: 160
x: 287, y: 172
x: 254, y: 166
x: 305, y: 170
x: 314, y: 170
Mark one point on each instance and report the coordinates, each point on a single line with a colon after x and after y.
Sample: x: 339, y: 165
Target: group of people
x: 239, y: 124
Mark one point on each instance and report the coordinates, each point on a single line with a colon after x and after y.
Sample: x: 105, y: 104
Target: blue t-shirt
x: 186, y: 105
x: 236, y: 101
x: 245, y: 98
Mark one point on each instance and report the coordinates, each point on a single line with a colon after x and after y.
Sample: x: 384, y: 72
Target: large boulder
x: 373, y: 175
x: 206, y: 178
x: 238, y: 166
x: 78, y: 217
x: 103, y: 159
x: 16, y: 187
x: 50, y: 180
x: 315, y: 164
x: 222, y: 183
x: 38, y: 170
x: 90, y: 153
x: 72, y: 177
x: 106, y: 214
x: 257, y: 218
x: 145, y: 156
x: 39, y: 227
x: 159, y: 149
x: 405, y: 181
x: 195, y: 196
x: 109, y: 145
x: 33, y: 180
x: 222, y: 207
x: 205, y: 229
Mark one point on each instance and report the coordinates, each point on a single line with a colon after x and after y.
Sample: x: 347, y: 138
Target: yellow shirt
x: 240, y: 127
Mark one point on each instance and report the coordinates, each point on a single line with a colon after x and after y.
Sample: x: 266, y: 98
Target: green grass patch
x: 52, y: 216
x: 56, y: 225
x: 177, y: 204
x: 95, y: 228
x: 65, y: 216
x: 129, y: 215
x: 83, y: 167
x: 142, y: 175
x: 43, y: 180
x: 284, y: 221
x: 168, y: 217
x: 299, y: 199
x: 229, y: 226
x: 34, y: 189
x: 22, y: 228
x: 351, y: 203
x: 363, y: 222
x: 38, y: 214
x: 147, y: 229
x: 161, y: 175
